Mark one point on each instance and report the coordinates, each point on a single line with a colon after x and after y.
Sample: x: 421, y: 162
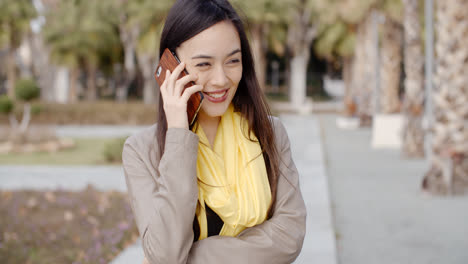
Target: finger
x: 175, y: 75
x: 182, y: 82
x: 163, y: 87
x: 190, y: 91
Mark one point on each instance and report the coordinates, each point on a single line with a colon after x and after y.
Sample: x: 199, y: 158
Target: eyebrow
x: 210, y: 57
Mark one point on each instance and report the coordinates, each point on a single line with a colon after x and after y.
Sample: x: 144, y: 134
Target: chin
x: 209, y: 109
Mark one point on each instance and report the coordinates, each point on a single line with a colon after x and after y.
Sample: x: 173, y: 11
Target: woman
x: 225, y: 190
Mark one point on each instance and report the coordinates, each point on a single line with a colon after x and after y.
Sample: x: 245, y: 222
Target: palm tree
x: 364, y: 15
x: 413, y: 105
x: 78, y: 37
x: 329, y: 39
x: 391, y: 58
x: 148, y: 16
x: 347, y: 36
x: 449, y: 165
x: 118, y: 14
x: 67, y: 51
x: 360, y: 70
x: 302, y: 30
x: 363, y: 70
x: 335, y: 43
x: 15, y: 17
x: 345, y: 50
x: 391, y: 55
x: 264, y: 18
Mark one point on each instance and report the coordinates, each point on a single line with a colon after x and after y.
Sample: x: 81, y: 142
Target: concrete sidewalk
x: 97, y: 131
x: 381, y: 215
x: 43, y: 177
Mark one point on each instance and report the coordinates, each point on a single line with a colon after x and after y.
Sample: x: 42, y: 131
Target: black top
x: 214, y: 224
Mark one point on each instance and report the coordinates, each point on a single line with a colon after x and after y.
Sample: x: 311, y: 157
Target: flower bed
x: 89, y: 226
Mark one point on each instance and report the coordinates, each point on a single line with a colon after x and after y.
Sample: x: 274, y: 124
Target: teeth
x: 216, y: 95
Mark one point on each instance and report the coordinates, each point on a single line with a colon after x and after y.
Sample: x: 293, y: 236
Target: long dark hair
x: 186, y: 19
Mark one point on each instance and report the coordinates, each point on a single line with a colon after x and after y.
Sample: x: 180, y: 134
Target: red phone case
x: 169, y: 61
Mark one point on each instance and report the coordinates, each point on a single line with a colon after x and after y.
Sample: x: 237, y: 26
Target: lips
x: 216, y: 96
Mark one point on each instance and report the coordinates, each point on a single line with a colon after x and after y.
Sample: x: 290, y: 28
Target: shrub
x: 6, y: 104
x: 113, y: 150
x: 27, y: 90
x: 36, y: 109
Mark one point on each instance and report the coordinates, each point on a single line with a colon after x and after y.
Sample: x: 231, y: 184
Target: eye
x: 202, y: 64
x: 233, y: 61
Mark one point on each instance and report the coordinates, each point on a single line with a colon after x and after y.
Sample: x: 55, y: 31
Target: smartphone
x: 169, y: 61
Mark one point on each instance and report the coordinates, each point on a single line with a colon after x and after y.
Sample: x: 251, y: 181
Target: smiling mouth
x: 216, y: 94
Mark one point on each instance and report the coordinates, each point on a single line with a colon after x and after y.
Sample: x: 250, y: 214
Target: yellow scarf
x: 232, y: 177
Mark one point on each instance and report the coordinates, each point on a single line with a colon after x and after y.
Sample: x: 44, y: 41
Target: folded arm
x: 277, y: 240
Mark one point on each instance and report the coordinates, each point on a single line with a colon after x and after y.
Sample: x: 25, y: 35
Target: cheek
x: 202, y: 76
x: 236, y: 75
x: 191, y: 69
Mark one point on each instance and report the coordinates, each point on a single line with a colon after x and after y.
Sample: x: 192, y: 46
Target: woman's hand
x: 175, y: 97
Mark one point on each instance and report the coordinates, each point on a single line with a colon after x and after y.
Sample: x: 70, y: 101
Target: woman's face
x: 215, y: 56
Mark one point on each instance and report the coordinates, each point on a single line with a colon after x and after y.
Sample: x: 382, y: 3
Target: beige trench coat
x: 164, y: 197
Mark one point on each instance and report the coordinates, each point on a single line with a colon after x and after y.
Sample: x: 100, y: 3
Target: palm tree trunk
x: 258, y: 48
x: 129, y: 75
x: 350, y: 106
x: 149, y: 86
x: 11, y: 73
x: 391, y: 66
x: 128, y: 38
x: 413, y: 104
x: 91, y: 83
x: 72, y: 96
x: 299, y: 77
x: 42, y: 67
x: 363, y: 70
x: 449, y: 166
x: 301, y: 33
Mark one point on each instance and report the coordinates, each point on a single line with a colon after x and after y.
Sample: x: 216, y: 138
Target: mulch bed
x: 59, y: 226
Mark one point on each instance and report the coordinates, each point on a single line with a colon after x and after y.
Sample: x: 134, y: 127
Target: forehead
x: 217, y: 40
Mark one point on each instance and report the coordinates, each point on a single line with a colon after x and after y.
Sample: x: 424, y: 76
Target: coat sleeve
x: 163, y: 199
x: 277, y: 240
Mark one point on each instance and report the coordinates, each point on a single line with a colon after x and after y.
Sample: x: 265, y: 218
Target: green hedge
x: 27, y: 90
x: 113, y: 150
x: 6, y: 104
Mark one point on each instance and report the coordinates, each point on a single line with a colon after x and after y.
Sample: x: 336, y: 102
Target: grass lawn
x: 86, y: 152
x: 83, y: 227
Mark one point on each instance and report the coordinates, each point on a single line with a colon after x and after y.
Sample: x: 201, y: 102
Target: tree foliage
x: 78, y: 34
x: 15, y: 17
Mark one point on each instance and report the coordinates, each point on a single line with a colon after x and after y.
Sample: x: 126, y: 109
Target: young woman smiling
x: 226, y: 189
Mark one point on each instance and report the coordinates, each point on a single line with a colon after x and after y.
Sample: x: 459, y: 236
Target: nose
x: 219, y: 77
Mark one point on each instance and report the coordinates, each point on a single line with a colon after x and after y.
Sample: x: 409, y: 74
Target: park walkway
x: 381, y: 215
x: 304, y: 134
